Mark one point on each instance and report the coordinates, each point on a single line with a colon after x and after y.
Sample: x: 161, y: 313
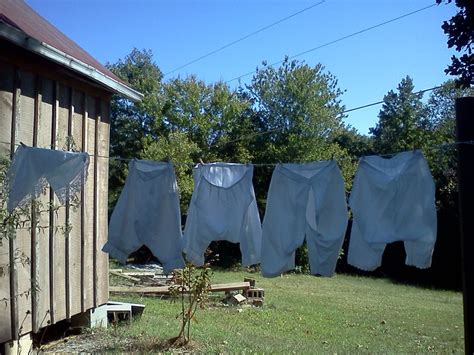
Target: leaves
x: 460, y: 31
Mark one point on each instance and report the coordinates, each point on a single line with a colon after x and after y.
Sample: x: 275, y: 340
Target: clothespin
x: 23, y: 144
x: 201, y: 162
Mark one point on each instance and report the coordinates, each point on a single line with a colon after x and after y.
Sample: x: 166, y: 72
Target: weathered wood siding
x: 40, y: 105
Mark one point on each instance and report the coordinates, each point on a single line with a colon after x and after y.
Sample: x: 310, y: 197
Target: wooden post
x: 465, y: 132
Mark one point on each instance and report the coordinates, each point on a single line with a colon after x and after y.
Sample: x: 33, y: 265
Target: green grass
x: 307, y: 314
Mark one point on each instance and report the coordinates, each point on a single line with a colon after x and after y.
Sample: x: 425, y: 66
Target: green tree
x: 298, y: 113
x: 402, y: 121
x: 131, y: 122
x: 210, y: 115
x: 460, y: 31
x: 177, y: 148
x: 442, y: 120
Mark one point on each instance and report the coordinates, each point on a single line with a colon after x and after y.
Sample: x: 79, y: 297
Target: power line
x: 256, y: 134
x: 244, y: 37
x: 381, y: 102
x: 440, y: 146
x: 339, y: 39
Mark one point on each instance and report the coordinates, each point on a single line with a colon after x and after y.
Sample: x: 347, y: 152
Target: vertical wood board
x: 59, y: 239
x: 102, y: 220
x: 44, y: 129
x: 6, y: 97
x: 88, y: 267
x: 24, y: 134
x: 75, y: 214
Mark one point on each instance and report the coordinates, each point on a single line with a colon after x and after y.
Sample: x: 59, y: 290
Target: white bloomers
x: 223, y: 207
x: 392, y: 200
x: 148, y: 213
x: 33, y: 168
x: 304, y: 200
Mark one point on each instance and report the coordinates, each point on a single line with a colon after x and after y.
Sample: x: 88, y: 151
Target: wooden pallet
x: 165, y: 290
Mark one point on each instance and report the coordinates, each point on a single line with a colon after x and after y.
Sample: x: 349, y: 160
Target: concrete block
x: 23, y: 346
x: 92, y: 318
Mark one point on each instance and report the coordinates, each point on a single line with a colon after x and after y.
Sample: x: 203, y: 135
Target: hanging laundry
x: 392, y: 200
x: 304, y: 200
x: 32, y: 169
x: 147, y: 213
x: 223, y: 207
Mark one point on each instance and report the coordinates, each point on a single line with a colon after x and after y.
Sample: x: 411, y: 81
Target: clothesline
x: 440, y: 146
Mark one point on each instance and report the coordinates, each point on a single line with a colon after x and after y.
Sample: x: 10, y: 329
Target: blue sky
x: 367, y: 66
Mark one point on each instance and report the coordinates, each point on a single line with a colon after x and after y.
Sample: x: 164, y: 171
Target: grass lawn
x: 307, y: 314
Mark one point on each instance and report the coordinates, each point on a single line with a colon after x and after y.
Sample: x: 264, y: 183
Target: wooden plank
x: 230, y: 287
x: 41, y: 272
x: 164, y: 290
x: 59, y: 237
x: 6, y: 107
x: 12, y: 240
x: 52, y: 283
x: 125, y: 276
x: 89, y: 208
x: 34, y: 217
x: 83, y: 207
x: 70, y: 110
x: 102, y: 259
x: 24, y: 133
x: 75, y: 246
x: 95, y: 211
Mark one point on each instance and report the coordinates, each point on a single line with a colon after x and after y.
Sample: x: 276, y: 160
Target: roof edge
x: 45, y: 50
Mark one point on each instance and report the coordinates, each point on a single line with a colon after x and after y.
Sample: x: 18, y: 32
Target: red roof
x: 21, y: 16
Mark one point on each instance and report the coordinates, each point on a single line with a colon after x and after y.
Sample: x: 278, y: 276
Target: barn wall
x: 40, y: 107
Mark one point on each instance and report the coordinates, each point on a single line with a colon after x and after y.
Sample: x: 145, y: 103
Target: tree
x: 210, y: 116
x: 298, y: 112
x: 299, y: 106
x: 402, y: 121
x: 130, y: 121
x: 460, y: 31
x: 442, y: 118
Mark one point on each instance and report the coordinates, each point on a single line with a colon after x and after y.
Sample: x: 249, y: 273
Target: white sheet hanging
x: 147, y: 213
x: 223, y: 207
x: 392, y: 200
x: 304, y: 200
x: 33, y: 168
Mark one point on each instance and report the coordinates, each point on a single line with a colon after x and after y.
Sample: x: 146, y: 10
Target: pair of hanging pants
x: 304, y: 200
x: 392, y: 200
x: 223, y: 207
x: 148, y: 213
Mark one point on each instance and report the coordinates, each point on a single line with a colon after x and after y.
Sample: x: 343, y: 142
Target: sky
x: 367, y: 65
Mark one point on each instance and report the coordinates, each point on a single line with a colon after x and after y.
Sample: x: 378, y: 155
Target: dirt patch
x: 104, y: 341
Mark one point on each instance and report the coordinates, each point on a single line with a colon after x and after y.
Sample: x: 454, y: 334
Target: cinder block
x: 23, y: 346
x: 250, y: 281
x: 255, y: 293
x: 92, y: 318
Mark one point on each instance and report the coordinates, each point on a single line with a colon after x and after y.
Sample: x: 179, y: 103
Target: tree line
x: 289, y: 113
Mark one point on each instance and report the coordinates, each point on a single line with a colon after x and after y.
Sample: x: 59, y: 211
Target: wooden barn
x: 51, y: 89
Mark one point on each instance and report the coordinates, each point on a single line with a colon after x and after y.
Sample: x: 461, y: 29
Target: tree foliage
x: 460, y: 31
x: 402, y: 121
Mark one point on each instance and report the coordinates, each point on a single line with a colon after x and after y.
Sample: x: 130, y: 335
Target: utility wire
x: 339, y: 39
x: 244, y: 38
x: 382, y: 101
x: 440, y: 146
x: 256, y: 134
